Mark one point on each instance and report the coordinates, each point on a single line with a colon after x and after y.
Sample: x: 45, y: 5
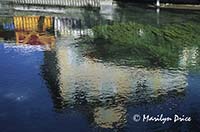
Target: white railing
x: 72, y: 27
x: 72, y: 3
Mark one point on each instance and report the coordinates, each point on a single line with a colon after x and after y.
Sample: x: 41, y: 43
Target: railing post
x: 158, y: 3
x: 158, y: 11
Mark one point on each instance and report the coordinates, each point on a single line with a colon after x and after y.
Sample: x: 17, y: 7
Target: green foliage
x: 182, y: 34
x: 125, y: 34
x: 155, y: 46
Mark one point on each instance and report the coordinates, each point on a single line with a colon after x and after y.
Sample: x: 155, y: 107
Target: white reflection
x: 188, y: 57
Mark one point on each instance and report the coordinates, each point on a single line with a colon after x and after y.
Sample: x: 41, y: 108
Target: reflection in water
x: 34, y: 38
x: 32, y: 30
x: 32, y: 23
x: 42, y: 30
x: 106, y: 88
x: 110, y: 117
x: 188, y: 57
x: 103, y: 92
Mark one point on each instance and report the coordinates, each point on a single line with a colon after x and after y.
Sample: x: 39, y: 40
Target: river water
x: 50, y: 82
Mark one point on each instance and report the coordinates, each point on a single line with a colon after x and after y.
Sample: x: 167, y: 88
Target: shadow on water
x: 100, y: 72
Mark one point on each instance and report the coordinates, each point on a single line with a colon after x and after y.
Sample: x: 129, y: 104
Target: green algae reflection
x: 146, y: 45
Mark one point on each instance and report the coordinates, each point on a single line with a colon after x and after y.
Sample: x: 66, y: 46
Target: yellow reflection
x: 32, y: 30
x: 110, y: 117
x: 31, y: 23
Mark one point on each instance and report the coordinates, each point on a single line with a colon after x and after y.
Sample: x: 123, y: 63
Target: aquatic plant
x: 150, y: 45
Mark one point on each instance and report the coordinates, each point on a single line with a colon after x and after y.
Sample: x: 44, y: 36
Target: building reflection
x: 97, y: 89
x: 33, y: 23
x: 104, y: 89
x: 73, y: 27
x: 41, y: 30
x: 31, y: 30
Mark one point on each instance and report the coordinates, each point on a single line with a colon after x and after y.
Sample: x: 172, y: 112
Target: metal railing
x: 71, y: 3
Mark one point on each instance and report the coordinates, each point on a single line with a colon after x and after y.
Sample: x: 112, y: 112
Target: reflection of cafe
x: 34, y: 38
x: 103, y: 92
x: 32, y: 30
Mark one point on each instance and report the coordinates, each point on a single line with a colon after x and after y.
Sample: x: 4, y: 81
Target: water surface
x: 52, y: 82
